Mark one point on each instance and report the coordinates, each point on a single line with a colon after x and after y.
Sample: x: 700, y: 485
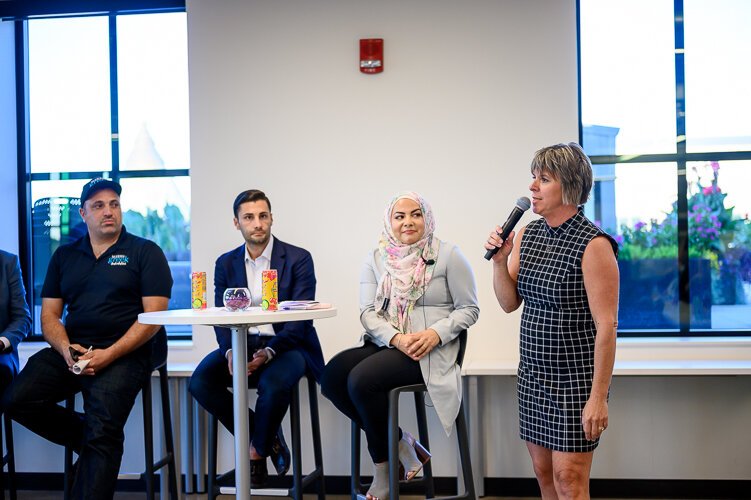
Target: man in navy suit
x: 278, y: 355
x: 15, y: 318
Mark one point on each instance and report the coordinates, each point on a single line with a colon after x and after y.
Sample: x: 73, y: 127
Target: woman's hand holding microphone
x: 504, y: 246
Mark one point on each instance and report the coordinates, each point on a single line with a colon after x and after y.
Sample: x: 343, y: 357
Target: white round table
x: 238, y: 322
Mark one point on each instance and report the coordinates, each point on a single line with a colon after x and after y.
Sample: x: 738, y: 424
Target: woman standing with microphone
x: 564, y: 269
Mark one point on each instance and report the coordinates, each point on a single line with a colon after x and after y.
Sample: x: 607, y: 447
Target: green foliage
x: 171, y: 232
x: 711, y: 227
x: 742, y: 237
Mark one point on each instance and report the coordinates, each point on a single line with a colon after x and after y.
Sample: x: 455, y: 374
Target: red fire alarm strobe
x: 371, y: 55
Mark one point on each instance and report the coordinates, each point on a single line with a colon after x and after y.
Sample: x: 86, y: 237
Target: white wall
x: 469, y: 92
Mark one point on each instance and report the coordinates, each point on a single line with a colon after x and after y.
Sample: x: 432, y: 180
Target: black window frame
x: 681, y: 158
x: 20, y: 12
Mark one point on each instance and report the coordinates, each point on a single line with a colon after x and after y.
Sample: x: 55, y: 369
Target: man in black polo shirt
x: 103, y: 280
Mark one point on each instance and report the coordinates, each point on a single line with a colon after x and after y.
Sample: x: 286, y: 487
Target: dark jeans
x: 97, y: 434
x: 358, y: 382
x: 274, y: 382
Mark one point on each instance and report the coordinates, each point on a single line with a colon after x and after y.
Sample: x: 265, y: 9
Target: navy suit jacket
x: 15, y: 318
x: 296, y: 281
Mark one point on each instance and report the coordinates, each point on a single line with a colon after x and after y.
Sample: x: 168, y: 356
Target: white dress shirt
x: 254, y: 273
x: 254, y: 270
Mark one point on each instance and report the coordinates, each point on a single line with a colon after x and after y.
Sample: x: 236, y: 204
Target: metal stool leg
x: 148, y: 439
x: 294, y: 415
x: 9, y: 459
x: 168, y: 437
x: 211, y: 487
x: 463, y: 438
x: 355, y: 484
x: 315, y: 423
x: 70, y: 404
x: 394, y: 445
x: 422, y: 431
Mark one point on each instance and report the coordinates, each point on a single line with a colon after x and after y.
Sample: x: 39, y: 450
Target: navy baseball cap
x: 98, y: 184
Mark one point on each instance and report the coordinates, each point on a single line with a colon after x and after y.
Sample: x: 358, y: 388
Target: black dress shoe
x: 259, y: 475
x: 280, y: 455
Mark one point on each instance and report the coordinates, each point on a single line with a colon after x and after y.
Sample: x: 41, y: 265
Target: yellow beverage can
x: 198, y: 290
x: 269, y: 290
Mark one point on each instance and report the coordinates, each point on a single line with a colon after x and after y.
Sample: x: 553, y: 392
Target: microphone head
x: 523, y: 203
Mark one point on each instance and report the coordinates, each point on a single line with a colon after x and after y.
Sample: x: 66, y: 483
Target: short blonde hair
x: 570, y: 166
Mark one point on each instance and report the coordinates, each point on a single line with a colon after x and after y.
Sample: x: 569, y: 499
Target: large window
x: 664, y: 117
x: 107, y: 95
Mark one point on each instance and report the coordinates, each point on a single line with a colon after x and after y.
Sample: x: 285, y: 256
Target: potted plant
x: 648, y: 261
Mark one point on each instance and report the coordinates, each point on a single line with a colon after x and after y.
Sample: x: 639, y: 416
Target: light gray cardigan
x: 451, y: 298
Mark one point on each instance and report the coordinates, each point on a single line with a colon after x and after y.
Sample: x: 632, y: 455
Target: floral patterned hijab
x: 407, y: 273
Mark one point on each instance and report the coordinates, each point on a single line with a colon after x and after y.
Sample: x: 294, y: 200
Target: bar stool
x: 9, y: 460
x: 159, y: 364
x: 299, y: 482
x: 419, y: 390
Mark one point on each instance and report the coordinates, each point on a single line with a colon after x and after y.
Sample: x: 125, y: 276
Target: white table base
x: 240, y: 389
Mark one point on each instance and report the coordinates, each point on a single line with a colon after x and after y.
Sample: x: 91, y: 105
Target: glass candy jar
x: 237, y: 299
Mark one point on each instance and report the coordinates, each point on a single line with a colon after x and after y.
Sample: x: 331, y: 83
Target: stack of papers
x: 297, y: 305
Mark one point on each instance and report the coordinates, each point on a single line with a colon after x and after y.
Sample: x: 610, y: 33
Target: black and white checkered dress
x: 557, y: 334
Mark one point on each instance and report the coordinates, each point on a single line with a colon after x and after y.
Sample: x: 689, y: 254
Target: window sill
x: 684, y: 348
x: 627, y: 342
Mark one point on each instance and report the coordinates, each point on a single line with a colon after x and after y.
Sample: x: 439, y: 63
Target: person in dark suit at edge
x: 15, y: 317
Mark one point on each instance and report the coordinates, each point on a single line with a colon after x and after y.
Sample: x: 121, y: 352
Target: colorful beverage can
x: 198, y: 290
x: 269, y: 290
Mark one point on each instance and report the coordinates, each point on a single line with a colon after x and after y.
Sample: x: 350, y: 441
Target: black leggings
x: 358, y: 381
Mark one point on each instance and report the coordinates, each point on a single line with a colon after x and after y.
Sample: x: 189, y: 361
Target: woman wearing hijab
x: 417, y: 294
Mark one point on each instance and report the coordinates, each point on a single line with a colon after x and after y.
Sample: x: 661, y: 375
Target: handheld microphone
x: 522, y: 205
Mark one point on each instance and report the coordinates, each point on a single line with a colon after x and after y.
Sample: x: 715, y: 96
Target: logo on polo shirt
x: 118, y: 260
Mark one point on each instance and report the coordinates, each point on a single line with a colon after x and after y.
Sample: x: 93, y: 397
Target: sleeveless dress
x: 557, y: 334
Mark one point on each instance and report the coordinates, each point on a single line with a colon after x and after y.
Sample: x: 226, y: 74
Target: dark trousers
x: 97, y: 434
x: 7, y: 371
x: 358, y: 382
x: 274, y: 382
